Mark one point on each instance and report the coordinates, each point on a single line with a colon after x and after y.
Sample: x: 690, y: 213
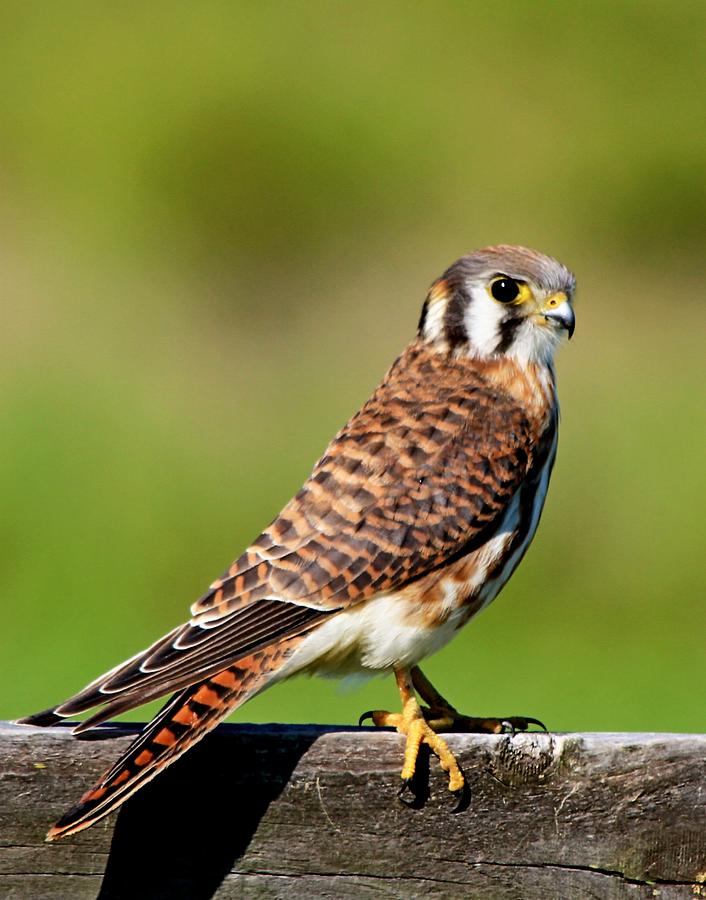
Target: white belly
x: 371, y: 637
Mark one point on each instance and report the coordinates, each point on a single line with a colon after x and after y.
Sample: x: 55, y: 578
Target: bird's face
x: 501, y: 301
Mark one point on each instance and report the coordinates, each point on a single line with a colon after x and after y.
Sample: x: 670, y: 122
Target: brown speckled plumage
x: 448, y: 460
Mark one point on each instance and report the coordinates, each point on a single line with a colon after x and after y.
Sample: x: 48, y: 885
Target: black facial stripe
x: 454, y: 324
x: 423, y: 317
x: 508, y: 330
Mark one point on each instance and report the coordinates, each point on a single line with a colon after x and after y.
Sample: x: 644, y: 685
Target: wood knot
x: 522, y: 759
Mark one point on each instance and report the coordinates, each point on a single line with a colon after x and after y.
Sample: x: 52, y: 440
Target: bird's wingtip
x: 56, y: 832
x: 74, y: 820
x: 43, y: 719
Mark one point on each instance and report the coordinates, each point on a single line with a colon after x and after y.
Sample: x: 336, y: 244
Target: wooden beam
x: 297, y: 811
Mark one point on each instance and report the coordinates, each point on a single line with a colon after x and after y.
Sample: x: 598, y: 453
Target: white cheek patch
x: 434, y: 321
x: 483, y: 319
x: 534, y: 342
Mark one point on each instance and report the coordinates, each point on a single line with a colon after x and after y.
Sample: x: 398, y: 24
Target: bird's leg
x: 413, y: 723
x: 442, y: 716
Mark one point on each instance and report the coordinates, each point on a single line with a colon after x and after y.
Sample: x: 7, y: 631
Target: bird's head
x: 501, y: 301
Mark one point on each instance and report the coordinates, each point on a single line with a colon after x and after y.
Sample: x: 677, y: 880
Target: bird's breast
x: 402, y: 627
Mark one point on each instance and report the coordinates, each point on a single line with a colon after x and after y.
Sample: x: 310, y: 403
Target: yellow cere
x: 555, y: 300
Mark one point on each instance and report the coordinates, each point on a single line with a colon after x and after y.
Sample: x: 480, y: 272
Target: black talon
x: 520, y: 723
x: 464, y: 799
x: 537, y: 722
x: 406, y: 786
x: 366, y: 715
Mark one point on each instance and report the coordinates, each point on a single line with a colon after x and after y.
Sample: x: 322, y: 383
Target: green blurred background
x: 217, y: 225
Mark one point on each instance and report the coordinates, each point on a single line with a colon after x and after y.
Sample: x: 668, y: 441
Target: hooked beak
x: 559, y: 311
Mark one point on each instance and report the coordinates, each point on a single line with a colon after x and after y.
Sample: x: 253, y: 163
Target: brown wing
x: 414, y: 479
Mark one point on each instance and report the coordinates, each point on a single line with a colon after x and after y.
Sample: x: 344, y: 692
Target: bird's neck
x: 531, y: 384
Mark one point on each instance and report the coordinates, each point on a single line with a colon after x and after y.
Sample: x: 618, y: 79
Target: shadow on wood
x: 180, y: 835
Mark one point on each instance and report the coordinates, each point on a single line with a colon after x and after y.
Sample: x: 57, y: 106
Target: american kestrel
x: 410, y: 523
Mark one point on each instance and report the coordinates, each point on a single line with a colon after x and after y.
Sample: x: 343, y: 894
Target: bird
x: 411, y: 522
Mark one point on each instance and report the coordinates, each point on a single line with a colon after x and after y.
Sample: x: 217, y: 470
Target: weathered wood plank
x: 287, y: 811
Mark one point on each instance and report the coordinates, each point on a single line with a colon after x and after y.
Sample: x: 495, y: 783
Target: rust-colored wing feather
x: 421, y: 471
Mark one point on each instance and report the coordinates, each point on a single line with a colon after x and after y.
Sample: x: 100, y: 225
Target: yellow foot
x: 413, y: 724
x: 422, y: 725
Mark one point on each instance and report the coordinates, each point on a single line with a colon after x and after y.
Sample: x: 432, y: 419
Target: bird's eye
x: 505, y: 290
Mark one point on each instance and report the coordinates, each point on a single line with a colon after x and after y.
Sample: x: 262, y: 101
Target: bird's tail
x: 186, y: 718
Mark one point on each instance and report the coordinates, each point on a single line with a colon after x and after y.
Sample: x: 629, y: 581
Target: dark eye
x: 505, y: 290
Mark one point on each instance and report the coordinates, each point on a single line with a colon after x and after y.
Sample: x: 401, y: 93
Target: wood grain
x: 297, y: 811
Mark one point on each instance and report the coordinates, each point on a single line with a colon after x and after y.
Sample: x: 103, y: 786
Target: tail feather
x: 44, y: 719
x: 116, y: 693
x: 186, y: 718
x: 192, y: 652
